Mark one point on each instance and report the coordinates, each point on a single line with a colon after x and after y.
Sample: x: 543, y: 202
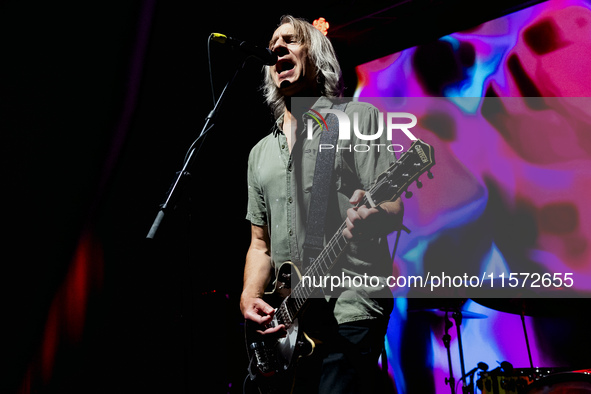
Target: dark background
x: 99, y: 103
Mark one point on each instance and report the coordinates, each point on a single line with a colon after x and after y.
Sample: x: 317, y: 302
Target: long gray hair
x: 322, y: 55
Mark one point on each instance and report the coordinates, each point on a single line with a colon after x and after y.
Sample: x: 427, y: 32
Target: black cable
x: 202, y: 135
x: 209, y: 64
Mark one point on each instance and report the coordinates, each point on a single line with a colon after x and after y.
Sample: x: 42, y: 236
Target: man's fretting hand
x: 368, y: 222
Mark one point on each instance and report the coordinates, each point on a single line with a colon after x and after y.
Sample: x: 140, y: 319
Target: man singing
x: 351, y: 321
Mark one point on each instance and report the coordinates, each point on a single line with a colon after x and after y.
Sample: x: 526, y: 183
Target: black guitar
x: 272, y: 361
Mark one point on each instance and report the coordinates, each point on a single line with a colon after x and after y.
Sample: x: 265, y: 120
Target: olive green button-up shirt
x: 279, y: 186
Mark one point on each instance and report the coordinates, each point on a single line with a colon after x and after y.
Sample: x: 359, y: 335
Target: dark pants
x: 345, y: 362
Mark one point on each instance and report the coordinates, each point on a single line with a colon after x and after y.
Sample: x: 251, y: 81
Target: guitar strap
x: 323, y: 175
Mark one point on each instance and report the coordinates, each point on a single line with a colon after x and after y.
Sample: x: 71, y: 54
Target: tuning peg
x: 430, y: 175
x: 419, y: 184
x: 408, y: 194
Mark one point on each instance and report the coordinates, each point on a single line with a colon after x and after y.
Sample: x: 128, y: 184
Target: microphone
x: 263, y: 54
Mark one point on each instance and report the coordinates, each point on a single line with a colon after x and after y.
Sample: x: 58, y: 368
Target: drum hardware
x: 522, y: 314
x: 530, y: 307
x: 508, y: 380
x: 457, y: 314
x: 470, y: 386
x: 521, y: 307
x: 446, y: 341
x: 563, y: 382
x: 505, y: 379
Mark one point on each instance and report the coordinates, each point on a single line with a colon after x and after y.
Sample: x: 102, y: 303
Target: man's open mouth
x: 284, y: 65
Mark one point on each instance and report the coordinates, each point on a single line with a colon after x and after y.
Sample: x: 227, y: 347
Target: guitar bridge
x: 264, y: 359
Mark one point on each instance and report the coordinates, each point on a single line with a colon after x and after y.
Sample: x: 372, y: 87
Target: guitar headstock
x: 393, y: 182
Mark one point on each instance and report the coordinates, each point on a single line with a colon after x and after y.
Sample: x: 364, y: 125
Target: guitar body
x: 272, y: 360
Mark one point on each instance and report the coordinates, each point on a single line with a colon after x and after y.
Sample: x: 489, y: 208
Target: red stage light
x: 322, y: 25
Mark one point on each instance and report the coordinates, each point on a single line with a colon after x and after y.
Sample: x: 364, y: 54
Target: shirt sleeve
x: 256, y: 208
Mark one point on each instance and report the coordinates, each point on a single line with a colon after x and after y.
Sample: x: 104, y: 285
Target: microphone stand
x: 182, y: 176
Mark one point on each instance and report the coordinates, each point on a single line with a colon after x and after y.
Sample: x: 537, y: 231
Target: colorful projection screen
x: 507, y: 108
